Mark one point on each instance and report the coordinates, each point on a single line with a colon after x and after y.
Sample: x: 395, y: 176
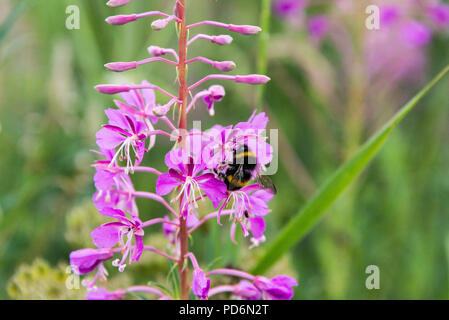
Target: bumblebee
x: 241, y: 171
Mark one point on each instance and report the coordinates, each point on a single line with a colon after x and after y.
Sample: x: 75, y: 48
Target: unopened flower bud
x: 252, y: 79
x: 156, y: 51
x: 221, y: 40
x: 225, y: 66
x: 160, y: 23
x: 244, y: 29
x: 117, y: 3
x: 111, y: 88
x: 121, y: 19
x: 121, y: 66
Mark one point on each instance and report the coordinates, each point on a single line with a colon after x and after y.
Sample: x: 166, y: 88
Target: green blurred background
x: 395, y: 216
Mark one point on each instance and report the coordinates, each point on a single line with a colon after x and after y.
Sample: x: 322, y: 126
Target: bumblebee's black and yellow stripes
x: 242, y: 169
x: 240, y: 172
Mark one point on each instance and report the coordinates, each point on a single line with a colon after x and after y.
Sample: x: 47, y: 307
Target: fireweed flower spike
x: 193, y: 163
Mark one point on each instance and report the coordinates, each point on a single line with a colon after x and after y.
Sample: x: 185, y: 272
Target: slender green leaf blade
x: 309, y: 216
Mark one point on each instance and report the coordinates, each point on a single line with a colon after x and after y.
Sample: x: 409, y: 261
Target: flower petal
x: 106, y: 235
x: 165, y: 184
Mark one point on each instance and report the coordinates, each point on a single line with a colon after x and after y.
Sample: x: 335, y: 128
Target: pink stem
x: 158, y: 220
x: 209, y: 23
x: 155, y: 13
x: 146, y: 169
x: 208, y: 217
x: 169, y: 123
x: 221, y: 289
x: 196, y: 97
x: 193, y: 260
x: 147, y: 248
x: 145, y: 289
x: 211, y: 77
x: 162, y: 132
x: 148, y: 60
x: 232, y: 272
x: 199, y: 36
x: 152, y: 196
x: 202, y: 59
x: 152, y: 86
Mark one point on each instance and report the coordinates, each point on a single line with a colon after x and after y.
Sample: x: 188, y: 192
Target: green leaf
x: 309, y: 216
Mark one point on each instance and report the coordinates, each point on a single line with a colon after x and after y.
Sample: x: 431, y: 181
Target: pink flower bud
x: 225, y: 66
x: 221, y: 40
x: 160, y: 23
x: 121, y: 19
x: 117, y: 3
x: 245, y: 29
x: 121, y: 66
x: 252, y: 79
x: 112, y: 88
x: 156, y: 51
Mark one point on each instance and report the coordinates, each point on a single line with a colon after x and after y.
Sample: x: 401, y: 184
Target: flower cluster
x: 396, y: 50
x: 196, y: 170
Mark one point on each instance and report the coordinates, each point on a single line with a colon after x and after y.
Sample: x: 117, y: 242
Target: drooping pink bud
x: 252, y: 79
x: 121, y: 66
x: 244, y: 29
x: 112, y: 88
x: 221, y: 40
x: 121, y: 19
x: 117, y: 3
x: 156, y: 51
x: 225, y: 66
x: 161, y: 23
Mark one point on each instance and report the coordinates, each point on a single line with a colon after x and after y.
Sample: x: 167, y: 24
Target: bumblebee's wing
x: 266, y: 183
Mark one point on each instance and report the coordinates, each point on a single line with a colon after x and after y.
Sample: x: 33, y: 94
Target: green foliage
x: 306, y: 219
x: 394, y: 216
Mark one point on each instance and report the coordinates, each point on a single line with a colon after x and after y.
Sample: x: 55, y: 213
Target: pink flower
x: 318, y: 27
x: 200, y: 284
x: 277, y: 288
x: 103, y: 294
x: 439, y: 13
x: 184, y: 171
x: 247, y: 291
x: 220, y: 142
x: 248, y: 205
x: 109, y: 234
x: 288, y: 8
x: 113, y: 185
x: 214, y: 94
x: 86, y: 260
x: 125, y: 132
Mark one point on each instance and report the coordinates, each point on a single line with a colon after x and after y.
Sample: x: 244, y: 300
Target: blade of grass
x: 308, y: 217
